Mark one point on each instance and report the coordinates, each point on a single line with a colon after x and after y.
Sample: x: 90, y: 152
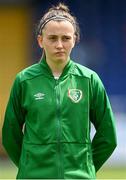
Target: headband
x: 57, y: 17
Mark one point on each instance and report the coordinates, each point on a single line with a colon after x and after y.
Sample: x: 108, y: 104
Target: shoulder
x: 84, y: 71
x: 29, y: 72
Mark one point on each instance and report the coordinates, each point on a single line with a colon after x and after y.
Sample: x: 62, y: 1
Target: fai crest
x: 75, y: 95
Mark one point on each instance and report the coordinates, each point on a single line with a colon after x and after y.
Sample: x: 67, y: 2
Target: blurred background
x: 102, y: 48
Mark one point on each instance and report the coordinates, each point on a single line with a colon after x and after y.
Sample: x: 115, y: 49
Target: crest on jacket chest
x: 75, y: 95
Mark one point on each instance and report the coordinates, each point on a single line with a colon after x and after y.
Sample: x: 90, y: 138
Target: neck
x: 56, y: 68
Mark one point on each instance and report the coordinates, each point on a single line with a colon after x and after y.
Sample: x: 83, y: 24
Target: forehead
x: 58, y: 27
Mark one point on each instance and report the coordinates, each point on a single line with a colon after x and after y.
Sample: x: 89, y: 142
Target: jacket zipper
x: 59, y: 145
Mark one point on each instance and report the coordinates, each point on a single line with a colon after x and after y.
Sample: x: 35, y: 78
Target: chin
x: 60, y: 60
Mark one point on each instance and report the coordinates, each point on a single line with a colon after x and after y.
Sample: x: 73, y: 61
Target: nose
x: 59, y: 44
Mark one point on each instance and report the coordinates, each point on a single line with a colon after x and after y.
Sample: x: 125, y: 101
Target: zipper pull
x: 56, y: 80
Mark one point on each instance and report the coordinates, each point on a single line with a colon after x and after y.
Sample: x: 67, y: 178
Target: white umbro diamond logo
x: 39, y: 96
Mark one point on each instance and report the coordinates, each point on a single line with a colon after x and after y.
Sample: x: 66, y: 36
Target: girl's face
x: 57, y: 40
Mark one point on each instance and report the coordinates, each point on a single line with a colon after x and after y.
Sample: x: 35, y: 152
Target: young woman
x: 46, y: 131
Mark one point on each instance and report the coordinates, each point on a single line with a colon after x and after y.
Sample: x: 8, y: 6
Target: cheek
x: 70, y: 46
x: 46, y: 46
x: 48, y: 49
x: 71, y: 43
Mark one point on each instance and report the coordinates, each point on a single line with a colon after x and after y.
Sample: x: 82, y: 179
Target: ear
x: 40, y: 41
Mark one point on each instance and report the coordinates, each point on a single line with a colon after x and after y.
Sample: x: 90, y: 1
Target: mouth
x: 60, y: 53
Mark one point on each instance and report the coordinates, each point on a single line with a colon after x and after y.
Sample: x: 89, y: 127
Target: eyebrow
x: 54, y: 35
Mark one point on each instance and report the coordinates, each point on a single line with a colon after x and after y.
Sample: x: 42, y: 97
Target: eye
x: 66, y: 38
x: 52, y: 38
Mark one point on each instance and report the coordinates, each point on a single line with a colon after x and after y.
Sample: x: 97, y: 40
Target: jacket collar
x: 47, y: 71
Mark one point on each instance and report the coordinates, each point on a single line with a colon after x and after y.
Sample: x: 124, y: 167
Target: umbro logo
x: 39, y: 96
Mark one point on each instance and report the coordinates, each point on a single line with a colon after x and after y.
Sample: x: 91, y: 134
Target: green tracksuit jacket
x: 46, y: 130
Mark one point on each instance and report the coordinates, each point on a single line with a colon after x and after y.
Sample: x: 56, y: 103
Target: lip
x: 60, y: 53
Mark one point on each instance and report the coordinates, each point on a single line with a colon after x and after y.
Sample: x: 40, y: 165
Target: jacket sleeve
x: 13, y: 123
x: 101, y: 115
